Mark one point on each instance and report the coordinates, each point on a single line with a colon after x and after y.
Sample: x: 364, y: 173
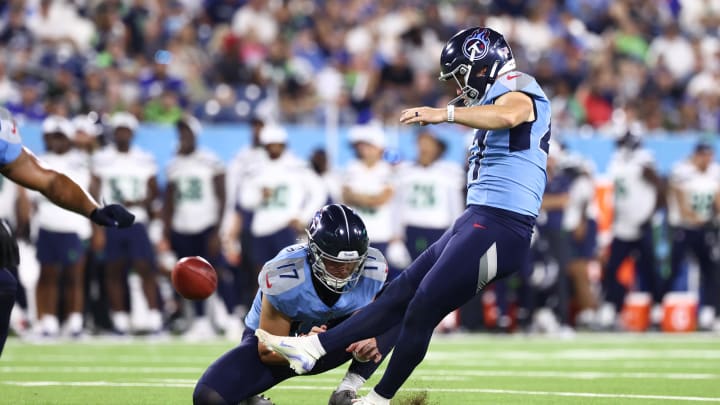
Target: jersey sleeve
x: 516, y: 81
x: 376, y: 267
x: 10, y: 142
x: 280, y: 278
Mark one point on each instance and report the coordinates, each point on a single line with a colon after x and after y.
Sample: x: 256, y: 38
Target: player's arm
x: 555, y: 201
x: 152, y: 194
x: 686, y: 211
x: 28, y: 171
x: 276, y: 323
x: 651, y: 176
x: 168, y: 209
x: 509, y: 110
x: 367, y: 200
x: 220, y: 193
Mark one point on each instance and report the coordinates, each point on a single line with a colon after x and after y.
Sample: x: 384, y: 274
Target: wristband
x: 451, y: 113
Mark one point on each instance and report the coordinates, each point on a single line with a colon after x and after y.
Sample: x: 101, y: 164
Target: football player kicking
x: 490, y: 240
x: 19, y: 165
x: 306, y: 289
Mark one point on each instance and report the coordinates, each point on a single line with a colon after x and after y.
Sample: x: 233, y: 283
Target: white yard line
x: 572, y: 375
x: 430, y: 390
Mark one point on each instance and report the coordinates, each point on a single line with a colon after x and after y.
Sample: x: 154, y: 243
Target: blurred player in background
x: 19, y: 165
x: 490, y: 240
x: 282, y: 192
x: 237, y: 238
x: 193, y: 207
x: 695, y: 197
x: 306, y: 289
x: 125, y: 174
x: 637, y: 192
x: 580, y: 222
x: 62, y: 236
x: 367, y: 186
x: 429, y: 194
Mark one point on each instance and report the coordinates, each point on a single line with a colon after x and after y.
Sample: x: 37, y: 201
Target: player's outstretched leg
x: 373, y: 320
x: 8, y: 287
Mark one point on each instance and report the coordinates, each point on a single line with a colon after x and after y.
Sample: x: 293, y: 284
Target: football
x: 194, y: 278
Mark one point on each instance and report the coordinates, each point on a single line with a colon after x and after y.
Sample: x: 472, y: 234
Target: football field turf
x: 459, y: 369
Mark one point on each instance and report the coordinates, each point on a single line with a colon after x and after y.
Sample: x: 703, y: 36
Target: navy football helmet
x: 474, y: 57
x: 337, y: 235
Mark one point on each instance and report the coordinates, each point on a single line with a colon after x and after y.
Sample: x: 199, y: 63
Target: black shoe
x: 344, y: 397
x: 258, y: 400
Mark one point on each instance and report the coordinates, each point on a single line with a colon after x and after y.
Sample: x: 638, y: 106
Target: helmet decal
x: 476, y: 45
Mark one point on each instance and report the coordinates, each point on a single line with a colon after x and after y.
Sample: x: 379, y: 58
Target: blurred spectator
x: 29, y: 106
x: 356, y: 61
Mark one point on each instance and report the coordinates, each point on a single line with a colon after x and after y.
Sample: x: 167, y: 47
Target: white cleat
x: 372, y: 398
x: 297, y: 350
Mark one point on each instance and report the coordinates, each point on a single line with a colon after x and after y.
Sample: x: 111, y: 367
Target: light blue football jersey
x: 286, y: 281
x: 10, y: 144
x: 507, y: 167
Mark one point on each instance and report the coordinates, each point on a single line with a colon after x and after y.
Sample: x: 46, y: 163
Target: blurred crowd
x: 605, y: 64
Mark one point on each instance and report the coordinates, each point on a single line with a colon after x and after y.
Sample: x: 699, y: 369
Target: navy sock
x: 8, y: 287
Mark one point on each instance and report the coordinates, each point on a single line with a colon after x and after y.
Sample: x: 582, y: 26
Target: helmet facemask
x: 483, y: 78
x: 336, y: 284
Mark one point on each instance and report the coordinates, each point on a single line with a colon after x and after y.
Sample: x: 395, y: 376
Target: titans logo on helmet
x: 476, y: 46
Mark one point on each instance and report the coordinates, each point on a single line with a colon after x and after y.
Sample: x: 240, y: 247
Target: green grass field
x: 460, y: 369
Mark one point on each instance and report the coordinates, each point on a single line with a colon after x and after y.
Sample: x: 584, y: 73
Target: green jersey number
x: 189, y: 189
x: 278, y: 198
x: 422, y: 196
x: 117, y: 192
x: 620, y: 189
x: 702, y: 203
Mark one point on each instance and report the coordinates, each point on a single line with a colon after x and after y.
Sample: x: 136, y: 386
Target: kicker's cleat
x: 298, y: 351
x: 372, y: 398
x: 344, y: 397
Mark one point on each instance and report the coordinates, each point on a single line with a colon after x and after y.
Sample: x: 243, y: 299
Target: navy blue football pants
x: 8, y: 288
x: 239, y: 374
x: 645, y: 265
x: 701, y: 243
x: 483, y: 244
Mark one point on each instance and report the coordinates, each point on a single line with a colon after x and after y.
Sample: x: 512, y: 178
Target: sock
x: 50, y: 325
x: 315, y: 343
x: 155, y: 322
x: 6, y: 303
x: 351, y: 382
x: 8, y: 287
x: 121, y: 321
x: 74, y: 322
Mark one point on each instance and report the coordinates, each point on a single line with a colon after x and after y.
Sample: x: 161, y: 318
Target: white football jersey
x: 124, y: 176
x: 238, y: 169
x: 8, y: 199
x: 699, y: 188
x: 581, y: 202
x: 372, y: 181
x: 635, y: 197
x: 297, y: 192
x: 429, y: 197
x: 196, y: 204
x: 76, y: 165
